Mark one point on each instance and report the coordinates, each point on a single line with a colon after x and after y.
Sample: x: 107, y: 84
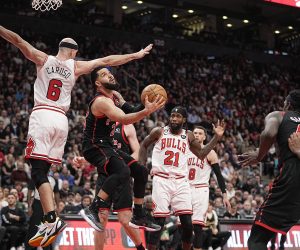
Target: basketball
x: 152, y: 91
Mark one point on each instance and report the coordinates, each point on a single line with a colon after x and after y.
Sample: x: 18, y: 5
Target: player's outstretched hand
x: 158, y: 103
x: 143, y: 52
x: 78, y: 161
x: 219, y: 128
x: 119, y: 96
x: 249, y: 158
x: 226, y: 202
x: 294, y: 143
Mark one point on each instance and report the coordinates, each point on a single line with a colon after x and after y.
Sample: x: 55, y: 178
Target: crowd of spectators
x: 159, y: 23
x: 232, y: 88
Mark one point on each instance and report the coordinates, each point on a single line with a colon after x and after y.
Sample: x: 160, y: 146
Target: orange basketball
x: 152, y: 91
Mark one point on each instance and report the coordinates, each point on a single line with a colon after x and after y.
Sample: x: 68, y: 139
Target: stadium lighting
x: 229, y: 25
x: 277, y: 32
x: 225, y: 17
x: 245, y: 21
x: 290, y: 27
x: 124, y: 7
x: 78, y: 0
x: 139, y: 2
x: 190, y: 11
x: 174, y: 15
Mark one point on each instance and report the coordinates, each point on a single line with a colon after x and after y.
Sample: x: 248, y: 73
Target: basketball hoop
x: 46, y: 5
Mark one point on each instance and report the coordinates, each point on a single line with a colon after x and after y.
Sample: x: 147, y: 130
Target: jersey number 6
x: 54, y: 90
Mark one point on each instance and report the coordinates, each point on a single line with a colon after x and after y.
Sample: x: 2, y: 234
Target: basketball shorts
x: 121, y: 199
x: 281, y: 208
x: 47, y: 134
x: 200, y: 199
x: 99, y: 155
x: 172, y: 192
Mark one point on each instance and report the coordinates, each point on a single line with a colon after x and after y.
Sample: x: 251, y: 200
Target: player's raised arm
x: 150, y: 139
x: 104, y: 105
x: 202, y: 152
x: 85, y: 67
x: 267, y: 138
x: 30, y: 52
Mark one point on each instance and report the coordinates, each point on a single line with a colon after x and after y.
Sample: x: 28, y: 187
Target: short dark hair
x: 94, y: 74
x: 294, y: 99
x: 200, y: 127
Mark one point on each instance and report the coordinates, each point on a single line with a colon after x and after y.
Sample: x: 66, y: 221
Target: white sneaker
x: 12, y: 248
x: 52, y: 231
x: 218, y: 248
x: 20, y: 248
x: 210, y: 248
x: 36, y: 240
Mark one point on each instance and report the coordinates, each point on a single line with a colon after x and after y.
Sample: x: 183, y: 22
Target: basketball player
x: 199, y: 175
x: 169, y: 167
x: 98, y: 148
x: 48, y: 125
x: 125, y: 140
x: 281, y: 208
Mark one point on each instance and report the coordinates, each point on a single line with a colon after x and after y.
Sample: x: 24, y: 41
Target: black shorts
x: 281, y: 208
x: 128, y: 159
x: 121, y: 199
x: 99, y: 156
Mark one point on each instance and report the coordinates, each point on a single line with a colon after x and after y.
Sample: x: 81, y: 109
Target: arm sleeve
x: 217, y: 171
x: 127, y: 108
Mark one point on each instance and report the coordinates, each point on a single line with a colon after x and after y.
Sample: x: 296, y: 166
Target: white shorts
x: 47, y: 134
x: 171, y: 192
x: 200, y: 199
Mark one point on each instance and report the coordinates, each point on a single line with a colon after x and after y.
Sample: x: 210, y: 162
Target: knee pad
x: 187, y: 228
x: 39, y: 172
x: 124, y: 174
x: 154, y: 237
x: 198, y: 237
x: 139, y: 172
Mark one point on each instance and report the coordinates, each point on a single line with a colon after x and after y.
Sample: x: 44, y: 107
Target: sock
x: 96, y: 204
x: 140, y: 247
x: 138, y: 210
x: 50, y: 217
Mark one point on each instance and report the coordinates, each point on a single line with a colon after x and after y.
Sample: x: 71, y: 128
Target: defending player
x: 199, y: 175
x: 48, y: 125
x: 169, y: 167
x: 281, y: 209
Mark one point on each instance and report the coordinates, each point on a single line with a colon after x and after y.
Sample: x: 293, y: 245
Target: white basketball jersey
x: 54, y: 83
x: 199, y: 170
x: 170, y: 153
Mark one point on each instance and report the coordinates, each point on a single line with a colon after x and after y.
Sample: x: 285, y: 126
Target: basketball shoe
x: 52, y: 231
x: 36, y: 240
x: 91, y: 217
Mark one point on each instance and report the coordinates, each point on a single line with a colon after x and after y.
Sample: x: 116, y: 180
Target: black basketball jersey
x: 290, y: 124
x: 99, y: 129
x: 120, y: 139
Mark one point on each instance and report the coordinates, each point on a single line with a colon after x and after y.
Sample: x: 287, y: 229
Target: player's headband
x: 180, y: 110
x: 68, y: 45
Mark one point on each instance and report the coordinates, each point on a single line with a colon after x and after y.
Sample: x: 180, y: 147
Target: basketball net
x: 46, y: 5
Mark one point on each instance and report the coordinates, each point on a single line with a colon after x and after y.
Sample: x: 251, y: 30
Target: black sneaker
x: 92, y: 218
x: 144, y: 222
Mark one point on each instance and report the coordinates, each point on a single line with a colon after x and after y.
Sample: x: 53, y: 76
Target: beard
x: 111, y: 86
x: 175, y: 127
